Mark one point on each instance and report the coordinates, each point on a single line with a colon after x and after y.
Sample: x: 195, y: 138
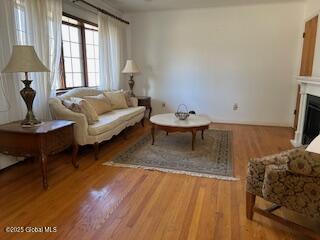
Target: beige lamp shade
x: 314, y: 146
x: 24, y: 59
x: 130, y: 67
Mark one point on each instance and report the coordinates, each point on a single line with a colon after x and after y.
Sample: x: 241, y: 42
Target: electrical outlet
x: 235, y: 107
x: 163, y: 105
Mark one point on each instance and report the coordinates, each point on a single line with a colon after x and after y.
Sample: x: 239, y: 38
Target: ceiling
x: 154, y: 5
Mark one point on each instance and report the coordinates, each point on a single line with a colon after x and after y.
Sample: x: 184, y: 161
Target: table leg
x: 167, y: 133
x: 202, y: 134
x: 194, y: 133
x: 152, y: 134
x: 43, y: 161
x: 75, y: 149
x: 150, y: 111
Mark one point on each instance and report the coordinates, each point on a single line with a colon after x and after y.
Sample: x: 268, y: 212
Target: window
x: 80, y: 53
x: 92, y: 53
x: 20, y: 21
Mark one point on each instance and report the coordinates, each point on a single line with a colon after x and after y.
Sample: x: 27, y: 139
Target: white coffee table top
x: 170, y: 120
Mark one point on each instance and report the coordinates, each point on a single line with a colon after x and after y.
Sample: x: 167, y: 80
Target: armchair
x: 290, y: 179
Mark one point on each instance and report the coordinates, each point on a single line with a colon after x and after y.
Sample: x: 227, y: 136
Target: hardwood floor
x: 100, y: 202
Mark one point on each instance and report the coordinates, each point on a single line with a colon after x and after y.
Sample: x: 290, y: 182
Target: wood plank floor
x: 100, y: 202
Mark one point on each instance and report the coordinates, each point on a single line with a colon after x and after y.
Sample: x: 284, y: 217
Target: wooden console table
x: 49, y: 138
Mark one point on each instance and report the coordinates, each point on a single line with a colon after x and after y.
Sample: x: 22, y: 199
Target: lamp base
x: 31, y: 126
x: 28, y: 95
x: 131, y: 85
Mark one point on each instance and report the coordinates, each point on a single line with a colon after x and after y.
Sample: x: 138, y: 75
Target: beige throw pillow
x: 117, y: 99
x: 100, y: 103
x: 128, y: 98
x: 80, y: 105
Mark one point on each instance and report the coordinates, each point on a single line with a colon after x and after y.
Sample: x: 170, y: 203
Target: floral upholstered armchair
x: 290, y: 179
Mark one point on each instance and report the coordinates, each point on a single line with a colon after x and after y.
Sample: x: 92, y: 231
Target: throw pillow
x: 100, y: 103
x: 72, y: 106
x: 128, y: 98
x: 117, y: 99
x: 80, y: 105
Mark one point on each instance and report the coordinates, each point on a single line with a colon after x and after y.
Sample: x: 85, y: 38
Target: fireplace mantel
x: 308, y: 85
x: 308, y: 80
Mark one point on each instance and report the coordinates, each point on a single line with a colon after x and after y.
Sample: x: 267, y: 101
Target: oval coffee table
x: 169, y: 123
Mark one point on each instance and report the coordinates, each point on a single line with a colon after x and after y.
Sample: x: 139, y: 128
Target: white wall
x: 312, y: 7
x: 212, y: 58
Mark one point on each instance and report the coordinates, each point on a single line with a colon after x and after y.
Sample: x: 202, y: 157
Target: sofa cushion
x: 129, y: 112
x: 117, y: 99
x: 100, y: 103
x: 111, y: 120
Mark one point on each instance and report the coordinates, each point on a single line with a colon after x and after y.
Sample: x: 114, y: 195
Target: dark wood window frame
x: 82, y: 28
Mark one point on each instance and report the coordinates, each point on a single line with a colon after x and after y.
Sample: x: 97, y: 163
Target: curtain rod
x: 102, y: 10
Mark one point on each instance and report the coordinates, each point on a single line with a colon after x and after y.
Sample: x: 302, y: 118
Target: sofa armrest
x: 304, y: 163
x: 59, y: 111
x: 296, y: 192
x: 134, y: 101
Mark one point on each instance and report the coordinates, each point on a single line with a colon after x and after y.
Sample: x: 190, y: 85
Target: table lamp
x: 25, y: 59
x: 314, y: 146
x: 131, y: 68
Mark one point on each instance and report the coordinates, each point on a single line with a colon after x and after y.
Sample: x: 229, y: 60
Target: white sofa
x: 109, y: 124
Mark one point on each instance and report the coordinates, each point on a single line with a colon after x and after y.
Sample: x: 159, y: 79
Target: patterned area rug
x: 211, y: 158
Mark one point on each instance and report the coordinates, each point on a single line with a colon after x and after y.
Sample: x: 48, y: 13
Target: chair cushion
x: 304, y: 163
x: 100, y: 103
x: 111, y: 120
x: 294, y: 191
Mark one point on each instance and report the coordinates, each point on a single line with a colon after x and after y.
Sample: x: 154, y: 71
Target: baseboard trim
x: 253, y: 123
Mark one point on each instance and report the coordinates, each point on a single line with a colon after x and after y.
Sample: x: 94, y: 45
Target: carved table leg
x: 194, y: 133
x: 202, y: 134
x: 75, y: 149
x: 152, y: 134
x: 43, y: 160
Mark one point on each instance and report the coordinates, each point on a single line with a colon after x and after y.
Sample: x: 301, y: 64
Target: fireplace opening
x: 312, y: 119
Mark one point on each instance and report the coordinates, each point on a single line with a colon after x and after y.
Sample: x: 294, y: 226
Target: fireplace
x: 311, y: 127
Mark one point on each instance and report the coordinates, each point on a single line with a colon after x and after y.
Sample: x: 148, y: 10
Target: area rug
x: 211, y: 158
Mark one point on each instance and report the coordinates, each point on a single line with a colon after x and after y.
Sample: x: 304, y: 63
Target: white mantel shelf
x: 308, y: 80
x: 308, y: 86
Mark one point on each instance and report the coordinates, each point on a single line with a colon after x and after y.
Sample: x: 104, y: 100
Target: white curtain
x: 31, y: 22
x: 11, y: 104
x: 43, y: 23
x: 112, y: 51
